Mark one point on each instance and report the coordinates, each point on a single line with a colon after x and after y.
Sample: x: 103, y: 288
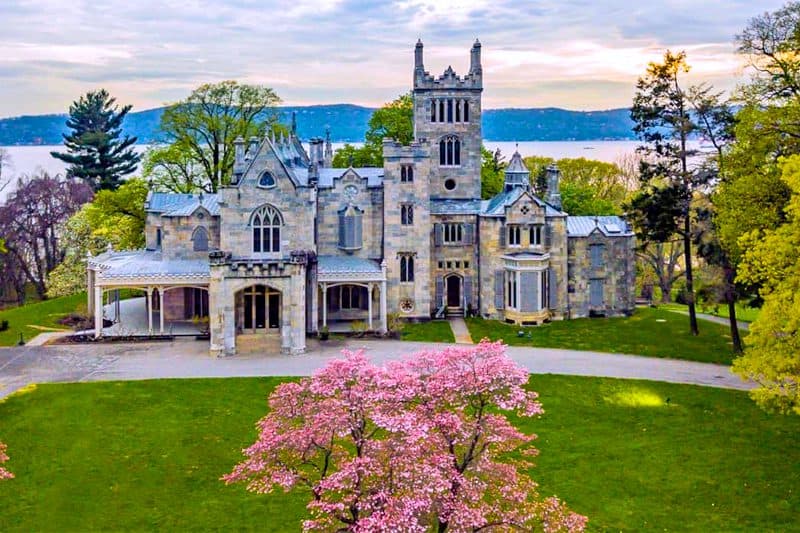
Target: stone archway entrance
x: 258, y: 319
x: 453, y: 287
x: 260, y: 309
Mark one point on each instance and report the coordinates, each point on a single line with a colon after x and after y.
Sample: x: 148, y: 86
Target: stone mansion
x: 293, y: 246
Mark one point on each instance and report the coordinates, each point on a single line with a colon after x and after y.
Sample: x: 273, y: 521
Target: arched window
x: 406, y: 268
x: 200, y: 239
x: 450, y: 151
x: 266, y: 223
x: 266, y: 180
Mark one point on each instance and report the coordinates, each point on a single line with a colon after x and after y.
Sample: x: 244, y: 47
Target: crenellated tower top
x: 473, y: 80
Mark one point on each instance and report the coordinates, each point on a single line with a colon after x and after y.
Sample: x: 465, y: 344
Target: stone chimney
x: 315, y: 152
x: 418, y: 64
x: 328, y: 148
x: 252, y: 149
x: 238, y: 158
x: 553, y: 194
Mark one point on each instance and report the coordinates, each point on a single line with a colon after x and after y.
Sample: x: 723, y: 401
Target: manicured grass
x: 652, y: 332
x: 632, y: 455
x: 44, y: 314
x: 433, y: 331
x: 743, y: 313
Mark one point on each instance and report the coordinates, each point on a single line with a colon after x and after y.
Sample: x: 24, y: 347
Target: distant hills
x: 349, y: 122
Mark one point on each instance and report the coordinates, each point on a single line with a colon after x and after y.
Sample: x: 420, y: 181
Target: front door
x: 261, y: 308
x: 453, y: 291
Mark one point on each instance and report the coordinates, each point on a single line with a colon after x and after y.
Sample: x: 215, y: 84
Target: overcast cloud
x: 576, y: 54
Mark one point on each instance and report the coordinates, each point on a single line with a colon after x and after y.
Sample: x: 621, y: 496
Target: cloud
x: 570, y: 53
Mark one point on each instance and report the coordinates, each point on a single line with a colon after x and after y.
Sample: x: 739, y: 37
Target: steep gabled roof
x: 181, y: 205
x: 610, y: 226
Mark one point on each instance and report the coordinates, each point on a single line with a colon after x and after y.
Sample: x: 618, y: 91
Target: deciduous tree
x: 423, y: 443
x: 770, y: 260
x: 113, y: 218
x: 97, y: 152
x: 199, y: 133
x: 30, y: 222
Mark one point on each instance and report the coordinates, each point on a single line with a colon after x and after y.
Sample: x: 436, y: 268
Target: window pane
x: 276, y: 240
x: 256, y: 239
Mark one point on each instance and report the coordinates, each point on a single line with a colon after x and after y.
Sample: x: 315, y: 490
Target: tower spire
x: 418, y: 64
x: 475, y: 58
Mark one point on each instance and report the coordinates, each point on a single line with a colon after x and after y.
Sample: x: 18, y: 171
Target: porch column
x: 324, y: 287
x: 161, y: 308
x: 90, y: 289
x: 117, y: 310
x: 150, y: 310
x: 369, y: 304
x: 98, y: 312
x: 383, y: 307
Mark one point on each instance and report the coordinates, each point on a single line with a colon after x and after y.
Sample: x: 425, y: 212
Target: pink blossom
x: 4, y: 474
x: 417, y: 444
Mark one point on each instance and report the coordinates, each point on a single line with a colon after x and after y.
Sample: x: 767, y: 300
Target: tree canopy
x: 199, y: 133
x: 97, y: 152
x: 115, y: 218
x: 425, y: 442
x: 394, y: 120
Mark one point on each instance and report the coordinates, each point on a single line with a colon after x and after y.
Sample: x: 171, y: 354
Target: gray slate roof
x: 374, y: 175
x: 496, y: 206
x: 455, y: 207
x: 148, y: 263
x: 610, y: 226
x: 339, y: 264
x: 180, y: 205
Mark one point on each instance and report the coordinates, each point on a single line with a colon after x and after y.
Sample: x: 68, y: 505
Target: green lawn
x: 632, y: 455
x: 743, y: 312
x: 432, y: 331
x: 44, y: 314
x: 652, y: 332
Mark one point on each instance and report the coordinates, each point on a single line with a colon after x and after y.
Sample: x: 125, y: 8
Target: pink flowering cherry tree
x: 4, y: 474
x: 422, y: 444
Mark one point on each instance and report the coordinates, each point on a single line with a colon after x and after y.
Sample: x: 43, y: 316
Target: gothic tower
x: 447, y: 114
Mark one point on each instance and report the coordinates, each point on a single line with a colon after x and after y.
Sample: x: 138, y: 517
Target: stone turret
x: 238, y: 159
x: 517, y: 174
x: 475, y: 59
x: 553, y: 194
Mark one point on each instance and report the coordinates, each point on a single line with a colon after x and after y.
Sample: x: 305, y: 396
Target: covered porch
x: 173, y: 301
x: 349, y: 290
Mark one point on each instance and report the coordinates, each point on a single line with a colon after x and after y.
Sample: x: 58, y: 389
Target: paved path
x: 719, y: 320
x: 460, y: 330
x: 187, y: 358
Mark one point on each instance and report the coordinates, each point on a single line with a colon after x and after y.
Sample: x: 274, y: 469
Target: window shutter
x: 548, y: 236
x: 357, y: 231
x: 439, y: 292
x: 437, y: 234
x: 468, y: 289
x: 529, y: 292
x: 469, y: 233
x: 342, y: 231
x: 552, y: 284
x: 502, y: 234
x: 499, y: 284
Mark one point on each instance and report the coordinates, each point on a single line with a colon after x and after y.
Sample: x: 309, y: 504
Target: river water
x: 28, y: 159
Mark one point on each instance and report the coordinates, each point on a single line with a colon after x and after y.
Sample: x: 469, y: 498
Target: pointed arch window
x: 200, y: 239
x: 266, y: 223
x: 450, y: 151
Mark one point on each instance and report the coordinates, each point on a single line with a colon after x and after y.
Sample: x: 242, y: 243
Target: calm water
x: 28, y: 159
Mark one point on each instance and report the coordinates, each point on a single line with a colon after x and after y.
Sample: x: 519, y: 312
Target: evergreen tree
x: 96, y: 150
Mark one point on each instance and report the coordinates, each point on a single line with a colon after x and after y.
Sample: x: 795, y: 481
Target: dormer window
x: 266, y: 180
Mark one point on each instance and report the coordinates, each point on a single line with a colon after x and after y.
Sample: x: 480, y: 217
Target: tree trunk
x: 687, y: 255
x: 666, y: 291
x: 730, y: 297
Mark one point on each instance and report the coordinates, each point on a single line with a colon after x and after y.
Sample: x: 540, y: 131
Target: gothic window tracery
x: 266, y: 223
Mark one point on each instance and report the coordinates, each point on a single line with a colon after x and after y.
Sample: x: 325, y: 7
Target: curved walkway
x: 188, y: 359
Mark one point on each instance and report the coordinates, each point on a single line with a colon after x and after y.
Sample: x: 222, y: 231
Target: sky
x: 573, y: 54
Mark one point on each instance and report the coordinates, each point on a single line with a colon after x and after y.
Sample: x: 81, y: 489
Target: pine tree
x: 96, y: 150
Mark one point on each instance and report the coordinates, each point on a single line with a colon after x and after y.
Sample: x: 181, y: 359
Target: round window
x: 406, y: 305
x: 450, y: 184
